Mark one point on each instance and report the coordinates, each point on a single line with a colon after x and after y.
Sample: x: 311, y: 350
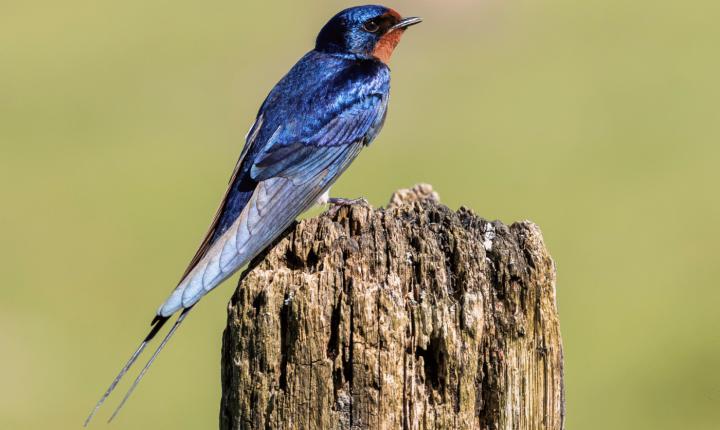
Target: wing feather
x: 289, y: 159
x: 207, y: 239
x: 289, y: 178
x: 274, y: 205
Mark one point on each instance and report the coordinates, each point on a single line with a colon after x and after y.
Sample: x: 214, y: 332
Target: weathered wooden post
x: 410, y: 317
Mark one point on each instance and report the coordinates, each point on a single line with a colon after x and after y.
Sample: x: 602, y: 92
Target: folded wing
x: 289, y: 177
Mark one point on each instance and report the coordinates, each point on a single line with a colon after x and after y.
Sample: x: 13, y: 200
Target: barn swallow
x: 309, y: 129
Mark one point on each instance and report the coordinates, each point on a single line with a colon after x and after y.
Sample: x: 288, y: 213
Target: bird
x: 311, y: 126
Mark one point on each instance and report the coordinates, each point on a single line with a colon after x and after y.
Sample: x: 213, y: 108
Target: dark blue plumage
x: 324, y: 103
x: 309, y: 129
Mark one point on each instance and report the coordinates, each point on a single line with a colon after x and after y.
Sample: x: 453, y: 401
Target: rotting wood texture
x: 409, y: 317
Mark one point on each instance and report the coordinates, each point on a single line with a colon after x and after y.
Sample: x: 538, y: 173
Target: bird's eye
x: 371, y: 26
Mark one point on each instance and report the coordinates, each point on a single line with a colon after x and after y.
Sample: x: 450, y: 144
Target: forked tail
x: 157, y: 323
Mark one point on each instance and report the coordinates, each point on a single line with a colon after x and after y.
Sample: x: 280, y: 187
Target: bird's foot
x: 338, y: 202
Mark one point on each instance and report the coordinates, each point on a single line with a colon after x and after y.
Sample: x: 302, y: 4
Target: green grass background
x: 120, y: 122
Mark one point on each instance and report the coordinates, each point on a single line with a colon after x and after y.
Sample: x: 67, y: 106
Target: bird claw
x: 338, y: 202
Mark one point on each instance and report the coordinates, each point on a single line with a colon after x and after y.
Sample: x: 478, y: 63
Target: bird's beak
x: 406, y: 22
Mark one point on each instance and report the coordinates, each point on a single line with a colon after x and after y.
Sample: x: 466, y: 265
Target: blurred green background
x: 120, y: 123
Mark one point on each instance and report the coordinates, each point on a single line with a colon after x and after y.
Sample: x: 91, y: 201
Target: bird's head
x: 364, y: 31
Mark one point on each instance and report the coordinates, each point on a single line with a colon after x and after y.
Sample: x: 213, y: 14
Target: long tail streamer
x: 157, y: 324
x: 150, y: 362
